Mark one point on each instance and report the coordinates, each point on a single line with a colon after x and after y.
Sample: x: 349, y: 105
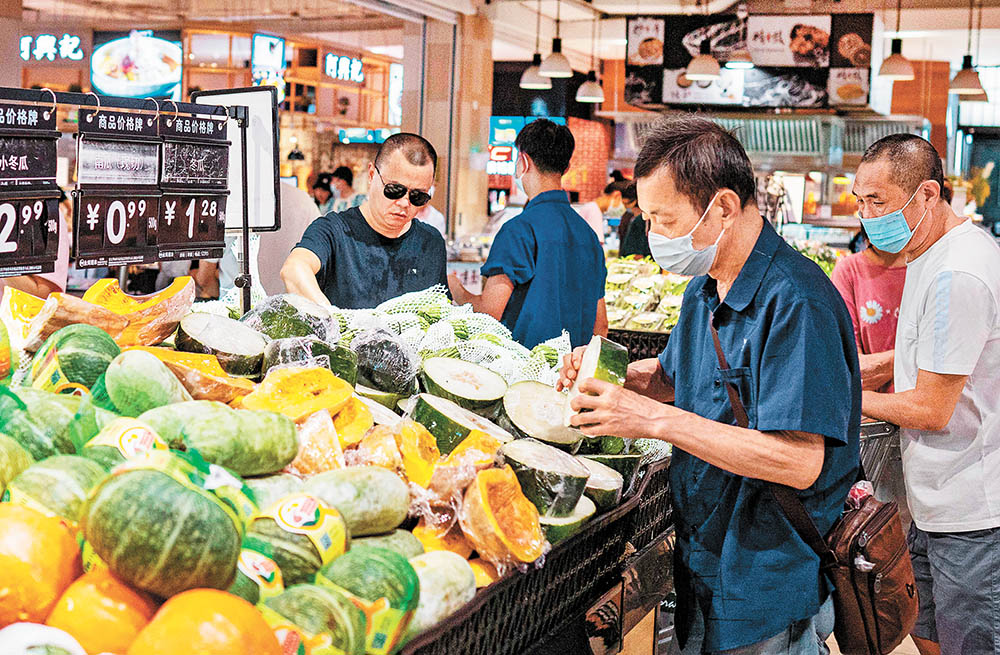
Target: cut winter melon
x: 558, y: 528
x: 469, y: 385
x: 627, y: 464
x: 381, y: 414
x: 604, y: 486
x: 532, y: 409
x: 602, y: 360
x: 386, y: 399
x: 450, y: 424
x: 550, y: 478
x: 239, y: 349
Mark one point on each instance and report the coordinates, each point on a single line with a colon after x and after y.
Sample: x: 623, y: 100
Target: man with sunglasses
x: 946, y: 400
x: 366, y: 255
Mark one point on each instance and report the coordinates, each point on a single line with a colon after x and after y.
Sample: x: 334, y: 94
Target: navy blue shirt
x: 557, y: 266
x: 790, y: 346
x: 360, y: 268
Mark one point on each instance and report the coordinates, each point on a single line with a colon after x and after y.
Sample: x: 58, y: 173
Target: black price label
x: 115, y: 230
x: 29, y: 236
x: 192, y: 226
x: 116, y: 123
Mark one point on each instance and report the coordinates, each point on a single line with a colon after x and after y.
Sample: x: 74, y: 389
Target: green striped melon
x: 271, y: 488
x: 38, y: 420
x: 447, y: 582
x: 13, y: 459
x: 602, y: 360
x: 400, y: 541
x: 318, y: 611
x: 372, y: 500
x: 138, y: 381
x: 58, y: 485
x: 160, y: 536
x: 82, y: 352
x: 257, y: 574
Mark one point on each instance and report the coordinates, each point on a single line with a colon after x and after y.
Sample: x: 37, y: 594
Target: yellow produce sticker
x: 260, y: 568
x: 91, y: 560
x: 15, y: 496
x: 296, y: 641
x: 309, y: 516
x: 384, y: 625
x: 129, y: 436
x: 47, y: 375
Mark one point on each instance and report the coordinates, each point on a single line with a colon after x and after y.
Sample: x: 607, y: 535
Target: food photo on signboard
x: 137, y: 64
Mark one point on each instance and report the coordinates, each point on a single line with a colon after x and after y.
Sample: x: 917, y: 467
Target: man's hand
x: 604, y: 408
x: 459, y: 293
x: 876, y: 370
x: 570, y: 369
x: 299, y: 275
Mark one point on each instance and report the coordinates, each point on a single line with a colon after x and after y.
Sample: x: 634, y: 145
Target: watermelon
x: 627, y: 464
x: 38, y: 420
x: 137, y: 381
x: 342, y: 361
x: 469, y: 385
x: 13, y: 459
x: 239, y: 349
x: 304, y: 533
x: 400, y: 541
x: 257, y: 574
x: 447, y: 583
x: 316, y: 611
x: 289, y: 315
x: 270, y: 489
x: 57, y: 486
x: 558, y: 528
x: 73, y: 357
x: 384, y: 579
x: 602, y: 360
x: 372, y: 500
x: 245, y: 442
x: 450, y: 424
x: 161, y: 536
x: 604, y: 486
x: 532, y: 409
x: 122, y: 439
x: 551, y: 479
x: 385, y: 362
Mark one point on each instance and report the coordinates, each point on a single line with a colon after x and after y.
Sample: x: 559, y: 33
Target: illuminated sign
x: 502, y: 160
x: 501, y: 153
x: 344, y: 68
x: 362, y: 135
x: 49, y: 47
x: 267, y: 63
x: 395, y: 94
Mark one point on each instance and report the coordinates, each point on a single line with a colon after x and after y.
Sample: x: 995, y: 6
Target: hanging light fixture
x: 703, y: 67
x: 741, y: 59
x: 591, y: 90
x: 530, y: 79
x: 981, y: 96
x: 556, y: 64
x: 966, y: 81
x: 896, y: 67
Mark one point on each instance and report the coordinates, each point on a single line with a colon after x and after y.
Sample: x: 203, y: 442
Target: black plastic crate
x: 652, y: 517
x: 641, y: 345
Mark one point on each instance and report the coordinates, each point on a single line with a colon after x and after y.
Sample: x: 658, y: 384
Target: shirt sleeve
x: 318, y: 238
x: 958, y: 318
x: 844, y: 277
x: 805, y: 380
x: 512, y: 253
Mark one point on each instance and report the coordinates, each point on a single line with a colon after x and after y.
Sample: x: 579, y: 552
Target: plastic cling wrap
x: 289, y: 315
x: 386, y: 362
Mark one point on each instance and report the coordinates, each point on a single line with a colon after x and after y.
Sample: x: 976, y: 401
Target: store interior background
x: 460, y: 60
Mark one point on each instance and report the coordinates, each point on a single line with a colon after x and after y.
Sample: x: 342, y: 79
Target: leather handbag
x: 864, y: 555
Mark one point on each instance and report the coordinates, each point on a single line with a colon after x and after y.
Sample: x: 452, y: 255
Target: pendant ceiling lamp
x: 556, y: 64
x: 704, y: 67
x: 530, y: 79
x: 966, y: 81
x: 896, y: 67
x: 591, y: 90
x: 741, y: 59
x: 981, y: 96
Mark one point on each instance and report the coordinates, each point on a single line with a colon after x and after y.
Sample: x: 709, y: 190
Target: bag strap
x: 786, y: 497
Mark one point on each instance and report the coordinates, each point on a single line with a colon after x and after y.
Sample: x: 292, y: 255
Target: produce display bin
x: 512, y: 615
x: 641, y: 345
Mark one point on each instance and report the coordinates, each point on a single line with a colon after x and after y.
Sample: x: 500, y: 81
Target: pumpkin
x: 486, y: 574
x: 452, y: 540
x: 499, y: 521
x: 209, y: 622
x: 39, y: 558
x: 477, y: 450
x: 300, y: 392
x: 379, y: 448
x: 353, y: 422
x: 319, y: 446
x: 419, y: 451
x: 102, y: 613
x: 201, y: 374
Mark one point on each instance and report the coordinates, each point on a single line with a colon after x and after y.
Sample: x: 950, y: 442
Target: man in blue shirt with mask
x: 546, y: 271
x: 746, y: 582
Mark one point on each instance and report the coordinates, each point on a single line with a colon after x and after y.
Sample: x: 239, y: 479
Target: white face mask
x: 678, y: 255
x: 518, y: 180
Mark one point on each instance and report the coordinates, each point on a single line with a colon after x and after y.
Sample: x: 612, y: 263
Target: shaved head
x: 913, y: 160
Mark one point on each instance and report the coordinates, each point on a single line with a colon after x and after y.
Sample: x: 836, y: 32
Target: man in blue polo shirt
x: 750, y: 583
x: 545, y: 272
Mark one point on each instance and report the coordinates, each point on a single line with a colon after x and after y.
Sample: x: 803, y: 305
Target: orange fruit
x: 39, y: 558
x: 102, y: 613
x: 206, y: 622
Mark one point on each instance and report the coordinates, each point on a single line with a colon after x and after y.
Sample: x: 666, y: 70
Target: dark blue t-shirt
x: 557, y: 266
x: 790, y: 346
x: 360, y: 268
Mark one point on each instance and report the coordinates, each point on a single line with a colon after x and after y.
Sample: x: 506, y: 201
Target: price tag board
x: 115, y: 228
x: 192, y: 225
x: 195, y: 164
x: 29, y: 235
x: 117, y: 124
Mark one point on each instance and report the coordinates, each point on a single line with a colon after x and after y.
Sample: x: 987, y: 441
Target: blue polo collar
x: 747, y: 283
x: 556, y: 195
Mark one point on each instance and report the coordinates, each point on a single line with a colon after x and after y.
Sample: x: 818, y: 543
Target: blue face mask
x: 678, y: 255
x: 891, y: 233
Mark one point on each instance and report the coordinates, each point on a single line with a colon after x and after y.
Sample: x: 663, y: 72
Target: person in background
x: 366, y: 255
x: 430, y: 215
x: 628, y: 197
x: 946, y: 372
x: 322, y: 193
x: 343, y: 184
x: 41, y: 285
x: 636, y: 241
x: 297, y: 212
x: 545, y: 271
x: 593, y: 215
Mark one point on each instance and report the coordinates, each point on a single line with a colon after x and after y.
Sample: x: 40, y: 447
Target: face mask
x: 615, y: 211
x: 518, y: 181
x: 679, y: 256
x: 891, y: 233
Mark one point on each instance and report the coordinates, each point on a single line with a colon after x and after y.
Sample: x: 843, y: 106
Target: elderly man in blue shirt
x: 746, y: 582
x: 545, y: 272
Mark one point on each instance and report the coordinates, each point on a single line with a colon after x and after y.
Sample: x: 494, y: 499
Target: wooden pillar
x: 926, y: 95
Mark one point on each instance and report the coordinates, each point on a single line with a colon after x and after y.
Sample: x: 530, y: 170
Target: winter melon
x: 243, y: 441
x: 341, y: 361
x: 558, y: 528
x: 289, y: 315
x: 550, y: 478
x: 13, y: 459
x: 239, y: 349
x: 38, y: 420
x: 602, y: 360
x: 308, y: 613
x: 372, y: 500
x: 271, y: 488
x: 450, y: 423
x: 168, y: 421
x: 257, y: 574
x: 604, y: 486
x: 532, y: 409
x: 447, y: 583
x: 137, y: 381
x: 57, y: 486
x: 401, y: 541
x: 471, y: 386
x: 73, y: 358
x: 123, y: 438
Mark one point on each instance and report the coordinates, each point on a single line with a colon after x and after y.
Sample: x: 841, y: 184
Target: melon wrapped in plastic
x: 354, y: 421
x: 385, y: 362
x: 290, y: 315
x: 319, y: 446
x: 150, y: 319
x: 299, y: 392
x: 500, y: 522
x: 13, y: 459
x: 38, y: 420
x: 312, y: 351
x: 57, y: 486
x: 271, y: 488
x: 201, y: 374
x: 310, y: 614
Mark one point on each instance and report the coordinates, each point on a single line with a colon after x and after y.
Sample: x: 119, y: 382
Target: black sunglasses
x: 395, y: 191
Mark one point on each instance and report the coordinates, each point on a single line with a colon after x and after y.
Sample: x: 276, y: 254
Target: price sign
x: 114, y: 229
x: 192, y: 226
x: 29, y: 235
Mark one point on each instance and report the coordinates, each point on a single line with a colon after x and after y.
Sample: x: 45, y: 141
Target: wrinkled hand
x: 616, y: 411
x: 570, y: 369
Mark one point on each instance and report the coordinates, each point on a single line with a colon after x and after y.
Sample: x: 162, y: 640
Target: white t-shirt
x: 949, y: 323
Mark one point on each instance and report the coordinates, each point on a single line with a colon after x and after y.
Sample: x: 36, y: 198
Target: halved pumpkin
x: 419, y: 450
x: 452, y: 541
x: 379, y: 448
x: 319, y: 447
x: 353, y: 422
x: 201, y: 375
x: 499, y: 521
x: 477, y: 450
x: 299, y: 392
x: 486, y: 573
